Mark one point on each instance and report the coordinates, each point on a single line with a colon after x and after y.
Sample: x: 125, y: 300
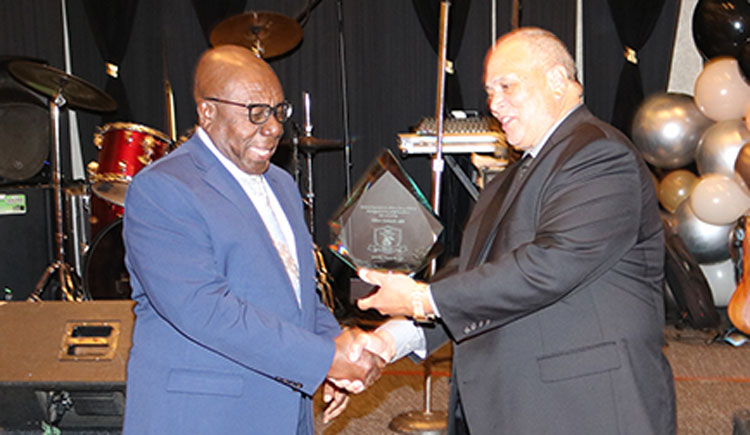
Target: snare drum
x: 124, y: 149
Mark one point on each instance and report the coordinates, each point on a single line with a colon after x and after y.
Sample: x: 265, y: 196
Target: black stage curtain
x: 558, y: 17
x: 603, y: 55
x: 635, y: 21
x: 212, y: 13
x: 111, y: 23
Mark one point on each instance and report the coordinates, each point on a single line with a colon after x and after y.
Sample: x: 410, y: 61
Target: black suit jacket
x: 559, y: 329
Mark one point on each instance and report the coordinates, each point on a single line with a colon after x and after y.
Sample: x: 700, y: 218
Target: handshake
x: 360, y: 357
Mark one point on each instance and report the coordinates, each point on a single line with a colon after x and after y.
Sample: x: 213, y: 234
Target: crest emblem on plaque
x: 387, y: 240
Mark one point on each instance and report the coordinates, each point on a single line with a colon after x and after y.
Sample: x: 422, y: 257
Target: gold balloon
x: 675, y: 187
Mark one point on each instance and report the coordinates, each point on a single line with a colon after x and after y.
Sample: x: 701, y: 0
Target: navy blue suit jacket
x: 220, y: 344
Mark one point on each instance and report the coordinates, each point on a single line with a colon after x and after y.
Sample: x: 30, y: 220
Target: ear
x: 206, y: 112
x: 557, y: 80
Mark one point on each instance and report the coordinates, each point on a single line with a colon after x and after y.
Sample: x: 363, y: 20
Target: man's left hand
x: 336, y: 399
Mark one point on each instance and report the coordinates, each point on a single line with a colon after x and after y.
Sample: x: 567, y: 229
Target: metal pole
x: 427, y: 421
x: 76, y: 158
x: 438, y: 163
x: 344, y: 99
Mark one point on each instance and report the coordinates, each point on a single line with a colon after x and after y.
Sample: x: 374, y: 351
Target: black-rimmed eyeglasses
x: 259, y: 113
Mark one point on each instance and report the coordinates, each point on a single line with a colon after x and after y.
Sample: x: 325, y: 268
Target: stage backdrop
x: 390, y: 70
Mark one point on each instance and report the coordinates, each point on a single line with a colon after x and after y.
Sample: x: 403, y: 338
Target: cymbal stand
x: 309, y: 197
x: 70, y: 288
x: 309, y: 192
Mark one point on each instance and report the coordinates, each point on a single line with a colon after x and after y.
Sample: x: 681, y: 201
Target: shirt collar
x: 236, y: 172
x: 536, y: 149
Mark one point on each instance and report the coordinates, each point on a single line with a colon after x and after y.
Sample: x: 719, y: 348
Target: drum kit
x: 124, y: 149
x: 88, y: 215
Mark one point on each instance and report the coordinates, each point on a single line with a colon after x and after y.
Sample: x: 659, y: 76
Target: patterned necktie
x: 277, y: 235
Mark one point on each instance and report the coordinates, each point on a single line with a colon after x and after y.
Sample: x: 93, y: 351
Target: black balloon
x: 721, y: 27
x: 744, y: 61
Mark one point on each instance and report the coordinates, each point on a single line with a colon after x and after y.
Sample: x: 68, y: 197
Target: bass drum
x: 105, y: 275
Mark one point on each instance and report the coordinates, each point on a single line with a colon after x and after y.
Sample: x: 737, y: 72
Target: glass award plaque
x: 386, y: 223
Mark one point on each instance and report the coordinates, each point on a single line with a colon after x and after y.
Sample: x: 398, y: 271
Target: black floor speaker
x: 63, y: 364
x: 26, y: 238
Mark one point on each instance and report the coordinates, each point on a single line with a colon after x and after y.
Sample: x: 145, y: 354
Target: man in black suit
x: 555, y: 303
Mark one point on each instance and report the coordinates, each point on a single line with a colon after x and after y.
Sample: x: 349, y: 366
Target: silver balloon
x: 719, y: 147
x: 666, y: 129
x: 708, y: 243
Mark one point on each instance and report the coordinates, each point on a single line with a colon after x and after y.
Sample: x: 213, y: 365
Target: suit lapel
x: 507, y: 191
x: 489, y: 217
x: 220, y: 179
x: 224, y: 184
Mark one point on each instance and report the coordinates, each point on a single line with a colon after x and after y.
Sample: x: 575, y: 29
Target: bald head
x: 543, y: 49
x: 218, y: 70
x: 227, y: 79
x: 530, y: 79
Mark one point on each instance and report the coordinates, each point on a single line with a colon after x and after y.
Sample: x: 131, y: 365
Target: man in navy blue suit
x: 230, y: 335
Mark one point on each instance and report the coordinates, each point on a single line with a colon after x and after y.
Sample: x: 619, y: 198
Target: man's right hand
x: 353, y: 367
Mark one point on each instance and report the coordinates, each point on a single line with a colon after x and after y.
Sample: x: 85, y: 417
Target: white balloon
x: 720, y: 91
x: 721, y: 279
x: 718, y: 199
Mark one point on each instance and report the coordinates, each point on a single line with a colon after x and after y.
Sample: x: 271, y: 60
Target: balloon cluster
x: 702, y: 144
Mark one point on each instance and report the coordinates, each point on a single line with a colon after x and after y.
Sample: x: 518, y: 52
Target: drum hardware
x: 170, y: 119
x: 77, y: 218
x: 267, y: 34
x: 309, y: 145
x: 62, y: 89
x: 323, y: 280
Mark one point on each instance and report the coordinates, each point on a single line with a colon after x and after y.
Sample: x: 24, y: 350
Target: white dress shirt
x: 273, y: 217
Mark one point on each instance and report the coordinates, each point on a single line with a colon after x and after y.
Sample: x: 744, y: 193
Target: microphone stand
x: 428, y: 421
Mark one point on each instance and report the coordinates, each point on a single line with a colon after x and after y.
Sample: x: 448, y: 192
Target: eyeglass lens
x: 259, y: 113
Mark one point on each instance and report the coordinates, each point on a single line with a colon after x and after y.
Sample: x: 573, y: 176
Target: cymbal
x: 51, y: 82
x: 267, y: 33
x: 311, y: 143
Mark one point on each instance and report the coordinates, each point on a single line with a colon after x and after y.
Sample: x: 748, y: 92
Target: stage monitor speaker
x: 63, y: 364
x: 26, y: 239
